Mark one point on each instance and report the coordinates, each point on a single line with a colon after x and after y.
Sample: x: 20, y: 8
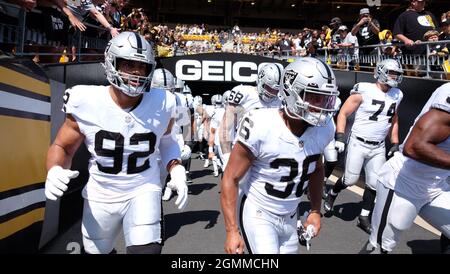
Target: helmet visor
x: 395, y: 75
x: 270, y: 91
x: 319, y: 100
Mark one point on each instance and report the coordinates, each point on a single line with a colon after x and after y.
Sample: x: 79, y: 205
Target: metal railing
x: 427, y: 64
x: 21, y: 36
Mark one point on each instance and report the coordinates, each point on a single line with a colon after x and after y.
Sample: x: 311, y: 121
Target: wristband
x: 340, y: 137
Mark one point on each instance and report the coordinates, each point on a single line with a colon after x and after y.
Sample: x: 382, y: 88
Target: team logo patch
x: 261, y: 74
x: 289, y: 78
x: 301, y: 144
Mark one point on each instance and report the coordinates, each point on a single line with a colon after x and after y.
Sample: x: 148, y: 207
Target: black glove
x: 393, y: 149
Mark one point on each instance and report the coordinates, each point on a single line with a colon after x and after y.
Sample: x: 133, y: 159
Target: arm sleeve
x: 169, y: 148
x: 442, y: 100
x: 248, y: 134
x: 356, y: 89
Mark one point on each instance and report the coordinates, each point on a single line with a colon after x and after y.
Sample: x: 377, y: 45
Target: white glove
x: 57, y: 180
x: 186, y: 153
x: 178, y: 183
x: 340, y: 146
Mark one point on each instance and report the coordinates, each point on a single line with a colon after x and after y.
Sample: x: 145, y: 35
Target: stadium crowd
x: 98, y: 20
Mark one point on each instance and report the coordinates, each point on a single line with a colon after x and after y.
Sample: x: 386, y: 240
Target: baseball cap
x: 343, y: 27
x: 364, y: 11
x: 430, y: 33
x: 335, y: 20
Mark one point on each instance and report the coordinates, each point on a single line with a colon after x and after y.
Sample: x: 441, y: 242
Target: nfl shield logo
x: 289, y: 78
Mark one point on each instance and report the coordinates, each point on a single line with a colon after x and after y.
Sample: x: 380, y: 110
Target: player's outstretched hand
x: 178, y: 183
x: 57, y: 180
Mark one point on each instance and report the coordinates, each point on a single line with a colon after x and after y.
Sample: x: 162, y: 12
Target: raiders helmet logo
x: 289, y: 78
x: 261, y: 74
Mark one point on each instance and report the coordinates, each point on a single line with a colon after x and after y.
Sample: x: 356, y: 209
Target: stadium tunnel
x: 30, y: 226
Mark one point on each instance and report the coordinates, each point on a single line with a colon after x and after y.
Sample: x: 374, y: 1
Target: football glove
x: 178, y: 183
x: 339, y: 144
x: 57, y: 180
x: 395, y: 148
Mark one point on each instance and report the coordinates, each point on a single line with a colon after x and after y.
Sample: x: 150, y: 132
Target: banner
x: 218, y: 67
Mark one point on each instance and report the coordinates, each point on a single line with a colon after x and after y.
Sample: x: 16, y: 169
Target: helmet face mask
x: 126, y: 54
x: 269, y: 82
x: 225, y: 97
x: 309, y: 91
x: 389, y: 72
x: 179, y: 85
x: 216, y: 100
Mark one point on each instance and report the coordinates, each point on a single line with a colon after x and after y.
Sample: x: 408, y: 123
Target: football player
x: 122, y: 125
x: 216, y: 118
x: 163, y: 79
x: 198, y: 126
x: 376, y: 107
x: 416, y: 182
x: 281, y: 159
x: 330, y: 154
x: 244, y: 98
x: 182, y: 126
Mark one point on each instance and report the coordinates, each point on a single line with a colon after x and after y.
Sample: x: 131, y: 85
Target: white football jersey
x: 247, y: 97
x: 209, y: 110
x: 216, y: 119
x: 183, y: 117
x: 189, y: 100
x: 415, y: 178
x: 373, y: 118
x: 122, y: 144
x: 280, y: 172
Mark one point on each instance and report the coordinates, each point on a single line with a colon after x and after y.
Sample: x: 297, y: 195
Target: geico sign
x: 207, y: 70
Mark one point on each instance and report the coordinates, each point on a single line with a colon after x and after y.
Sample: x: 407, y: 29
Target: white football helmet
x: 198, y: 100
x: 269, y: 82
x: 179, y: 85
x: 187, y: 89
x: 129, y: 46
x: 225, y: 96
x: 389, y: 72
x: 216, y: 100
x: 163, y: 79
x: 309, y: 91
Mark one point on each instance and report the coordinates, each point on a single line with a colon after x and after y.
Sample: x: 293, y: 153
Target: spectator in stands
x: 334, y: 38
x: 113, y: 11
x: 347, y: 49
x: 285, y: 45
x: 445, y: 26
x: 412, y: 24
x: 366, y: 30
x: 391, y: 49
x: 78, y: 15
x: 27, y: 5
x: 438, y: 49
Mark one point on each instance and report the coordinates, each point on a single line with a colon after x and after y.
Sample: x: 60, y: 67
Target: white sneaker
x: 206, y: 163
x: 167, y: 194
